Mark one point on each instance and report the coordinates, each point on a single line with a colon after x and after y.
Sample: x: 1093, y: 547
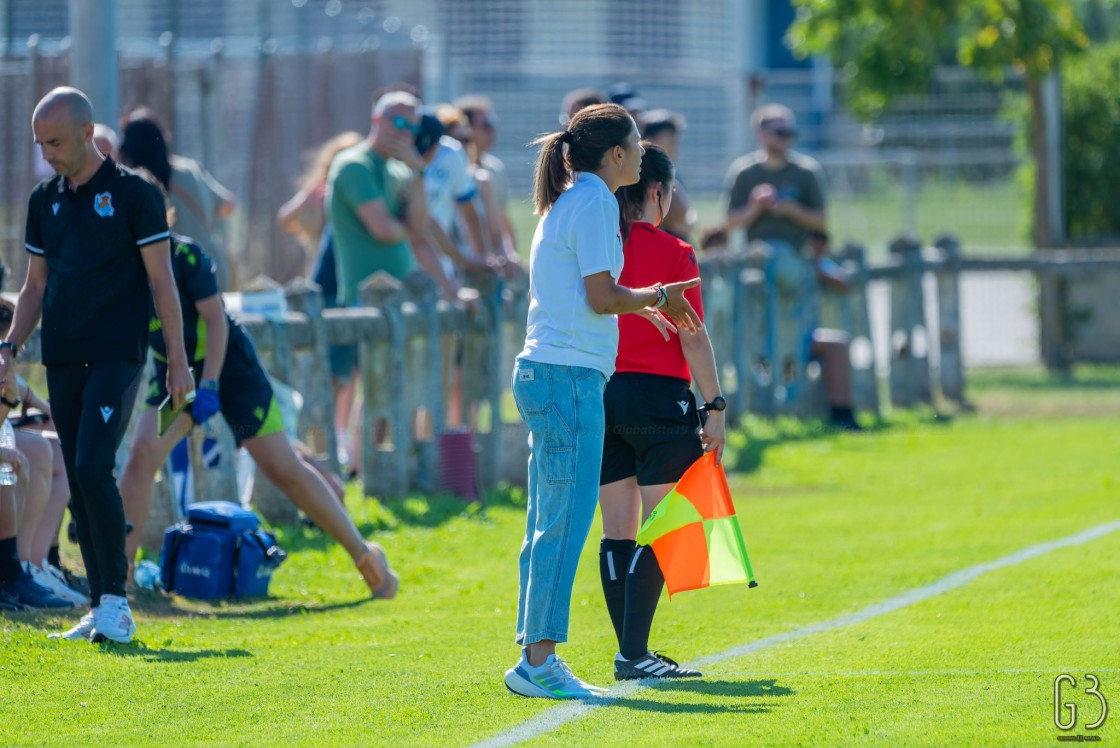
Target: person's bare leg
x: 619, y: 502
x: 36, y: 491
x: 148, y: 452
x: 46, y: 532
x: 308, y: 491
x: 537, y: 652
x: 305, y: 488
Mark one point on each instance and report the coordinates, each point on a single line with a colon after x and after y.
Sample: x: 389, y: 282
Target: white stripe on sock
x: 634, y: 561
x: 610, y: 565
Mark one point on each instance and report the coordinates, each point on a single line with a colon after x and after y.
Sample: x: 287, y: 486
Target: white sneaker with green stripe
x: 551, y: 680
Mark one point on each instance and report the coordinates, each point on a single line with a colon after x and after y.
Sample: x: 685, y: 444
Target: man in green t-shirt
x: 370, y: 188
x: 777, y: 196
x: 775, y: 192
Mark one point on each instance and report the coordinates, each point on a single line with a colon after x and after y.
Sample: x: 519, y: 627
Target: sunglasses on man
x: 780, y: 131
x: 401, y: 123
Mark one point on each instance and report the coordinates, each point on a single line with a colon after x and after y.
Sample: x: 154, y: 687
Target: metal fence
x: 249, y: 85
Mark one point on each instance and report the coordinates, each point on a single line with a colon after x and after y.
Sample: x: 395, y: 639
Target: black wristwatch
x: 11, y: 347
x: 13, y: 404
x: 717, y: 404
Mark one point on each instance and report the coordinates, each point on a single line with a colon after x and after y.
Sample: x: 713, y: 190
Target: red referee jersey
x: 651, y: 257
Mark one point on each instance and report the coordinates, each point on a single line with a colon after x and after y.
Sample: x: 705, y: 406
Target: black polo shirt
x: 95, y: 307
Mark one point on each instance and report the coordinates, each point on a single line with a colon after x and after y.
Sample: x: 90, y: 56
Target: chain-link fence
x: 249, y: 85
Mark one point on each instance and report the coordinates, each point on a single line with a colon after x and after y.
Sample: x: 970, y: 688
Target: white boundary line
x: 559, y: 716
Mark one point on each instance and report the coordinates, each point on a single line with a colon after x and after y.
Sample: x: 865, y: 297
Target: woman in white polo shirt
x: 570, y: 347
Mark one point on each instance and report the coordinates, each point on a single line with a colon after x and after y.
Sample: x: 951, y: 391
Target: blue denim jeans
x: 563, y: 408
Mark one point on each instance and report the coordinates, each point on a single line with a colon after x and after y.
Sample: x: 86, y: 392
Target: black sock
x: 643, y: 589
x: 53, y: 558
x: 614, y: 560
x: 10, y: 567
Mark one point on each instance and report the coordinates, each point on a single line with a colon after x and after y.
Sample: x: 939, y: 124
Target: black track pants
x: 91, y: 405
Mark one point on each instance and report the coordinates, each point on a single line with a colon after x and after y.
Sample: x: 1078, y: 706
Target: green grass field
x: 834, y: 524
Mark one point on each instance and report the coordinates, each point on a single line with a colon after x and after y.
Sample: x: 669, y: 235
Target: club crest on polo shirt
x: 103, y: 204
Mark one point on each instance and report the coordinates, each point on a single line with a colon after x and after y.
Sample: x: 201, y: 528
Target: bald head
x: 64, y: 104
x: 63, y: 127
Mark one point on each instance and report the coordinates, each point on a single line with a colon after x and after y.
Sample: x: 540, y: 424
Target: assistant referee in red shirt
x: 652, y: 419
x: 97, y: 238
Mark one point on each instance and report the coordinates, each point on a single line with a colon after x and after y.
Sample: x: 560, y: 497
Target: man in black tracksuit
x: 98, y: 242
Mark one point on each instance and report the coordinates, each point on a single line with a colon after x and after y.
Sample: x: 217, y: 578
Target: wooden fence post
x: 488, y: 348
x: 385, y: 424
x: 423, y: 385
x: 513, y: 438
x: 861, y: 349
x: 909, y: 374
x: 318, y: 394
x: 949, y: 318
x: 759, y: 333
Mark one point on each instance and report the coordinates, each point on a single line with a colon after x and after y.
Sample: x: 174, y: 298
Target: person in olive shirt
x: 776, y: 193
x: 232, y: 381
x: 98, y: 239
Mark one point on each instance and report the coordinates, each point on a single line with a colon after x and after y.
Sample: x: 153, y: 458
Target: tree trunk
x: 1043, y: 234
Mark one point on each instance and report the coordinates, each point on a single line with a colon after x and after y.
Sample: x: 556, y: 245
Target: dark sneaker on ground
x: 75, y: 581
x: 650, y: 665
x: 25, y: 594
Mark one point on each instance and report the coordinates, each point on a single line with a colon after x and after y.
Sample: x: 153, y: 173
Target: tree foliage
x: 891, y: 47
x: 1090, y: 159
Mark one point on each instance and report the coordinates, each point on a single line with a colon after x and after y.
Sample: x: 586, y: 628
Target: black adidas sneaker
x: 650, y: 665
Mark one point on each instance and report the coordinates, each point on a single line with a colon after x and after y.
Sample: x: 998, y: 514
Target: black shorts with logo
x: 651, y: 429
x: 244, y: 393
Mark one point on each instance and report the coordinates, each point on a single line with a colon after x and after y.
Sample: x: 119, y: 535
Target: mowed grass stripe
x: 833, y: 526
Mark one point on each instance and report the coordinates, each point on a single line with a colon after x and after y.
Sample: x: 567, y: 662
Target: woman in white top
x: 570, y: 347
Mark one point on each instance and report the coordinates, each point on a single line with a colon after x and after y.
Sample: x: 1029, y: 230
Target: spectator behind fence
x: 714, y: 240
x: 450, y: 188
x: 578, y: 99
x: 777, y: 196
x: 97, y: 239
x: 304, y: 215
x: 378, y: 216
x: 493, y: 196
x: 232, y: 382
x: 652, y: 420
x: 200, y: 201
x: 571, y: 341
x: 663, y: 128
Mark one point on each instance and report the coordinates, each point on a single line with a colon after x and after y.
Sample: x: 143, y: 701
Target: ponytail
x: 551, y: 175
x: 590, y: 134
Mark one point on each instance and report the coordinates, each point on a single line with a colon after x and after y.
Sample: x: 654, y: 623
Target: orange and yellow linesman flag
x: 695, y: 534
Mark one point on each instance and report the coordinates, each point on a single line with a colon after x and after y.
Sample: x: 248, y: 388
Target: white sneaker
x: 553, y: 679
x: 81, y: 631
x: 50, y: 577
x: 113, y: 621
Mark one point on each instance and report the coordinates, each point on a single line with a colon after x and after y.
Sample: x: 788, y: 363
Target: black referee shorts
x: 651, y: 429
